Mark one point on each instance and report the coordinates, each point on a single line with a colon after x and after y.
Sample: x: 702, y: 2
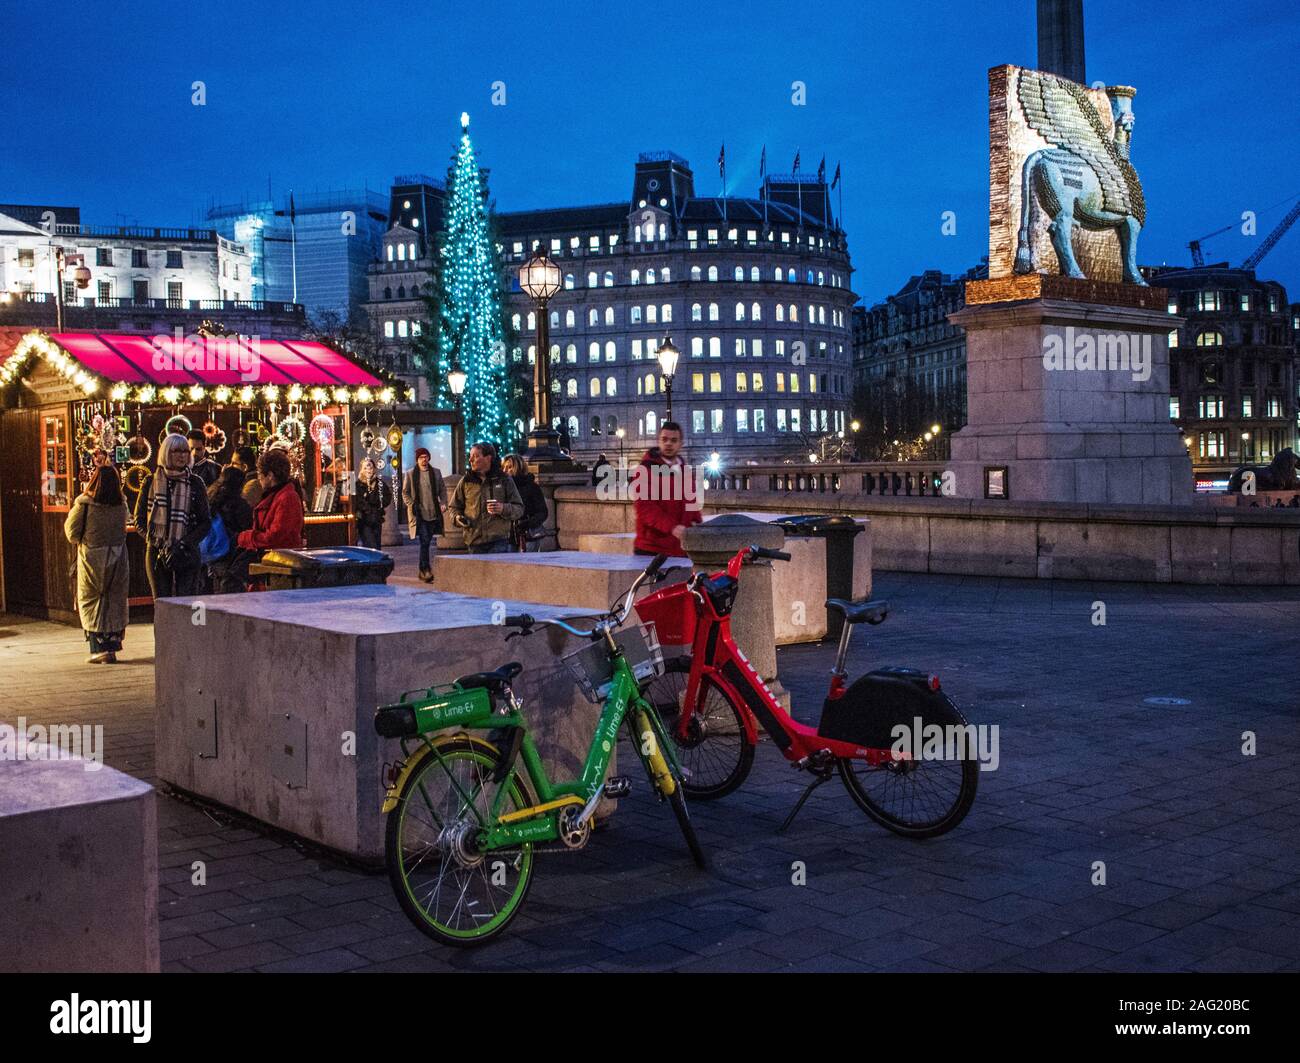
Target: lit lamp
x: 620, y: 433
x: 539, y: 277
x: 668, y: 355
x: 855, y: 425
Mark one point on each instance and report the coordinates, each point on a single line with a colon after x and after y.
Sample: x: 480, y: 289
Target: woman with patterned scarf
x: 172, y: 514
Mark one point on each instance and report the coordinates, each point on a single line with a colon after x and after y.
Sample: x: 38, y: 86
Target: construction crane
x: 1269, y: 242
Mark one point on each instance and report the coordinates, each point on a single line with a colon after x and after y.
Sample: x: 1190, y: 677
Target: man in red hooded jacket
x: 665, y: 496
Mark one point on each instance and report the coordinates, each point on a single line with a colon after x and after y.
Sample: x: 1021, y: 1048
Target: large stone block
x: 78, y: 867
x: 559, y: 577
x: 267, y: 706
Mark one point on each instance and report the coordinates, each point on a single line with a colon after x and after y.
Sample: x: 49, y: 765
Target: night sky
x: 330, y: 95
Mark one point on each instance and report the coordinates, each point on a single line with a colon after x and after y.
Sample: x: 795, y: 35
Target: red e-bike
x: 877, y: 732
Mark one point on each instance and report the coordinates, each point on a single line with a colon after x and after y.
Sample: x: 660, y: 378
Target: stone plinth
x: 1063, y: 431
x: 753, y: 623
x: 267, y: 705
x: 557, y: 577
x: 78, y: 867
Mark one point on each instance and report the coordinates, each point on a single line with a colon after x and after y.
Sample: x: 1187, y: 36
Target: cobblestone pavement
x: 1201, y: 844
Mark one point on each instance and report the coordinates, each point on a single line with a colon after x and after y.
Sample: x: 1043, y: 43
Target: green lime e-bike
x: 471, y: 803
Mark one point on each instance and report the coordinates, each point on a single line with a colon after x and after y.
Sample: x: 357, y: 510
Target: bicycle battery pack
x: 868, y: 711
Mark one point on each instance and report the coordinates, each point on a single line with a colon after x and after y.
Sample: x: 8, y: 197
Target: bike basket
x: 672, y: 611
x: 593, y: 670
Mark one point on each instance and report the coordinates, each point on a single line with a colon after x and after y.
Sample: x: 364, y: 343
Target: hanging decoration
x: 322, y: 430
x: 139, y: 449
x: 395, y: 437
x: 291, y: 429
x: 215, y: 443
x: 177, y: 424
x: 210, y: 429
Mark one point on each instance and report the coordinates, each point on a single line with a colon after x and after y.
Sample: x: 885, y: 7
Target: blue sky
x: 330, y: 94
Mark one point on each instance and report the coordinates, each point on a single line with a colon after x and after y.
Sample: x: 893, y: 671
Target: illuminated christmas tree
x: 470, y: 326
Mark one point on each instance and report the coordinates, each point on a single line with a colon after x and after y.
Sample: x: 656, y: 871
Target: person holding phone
x: 486, y: 503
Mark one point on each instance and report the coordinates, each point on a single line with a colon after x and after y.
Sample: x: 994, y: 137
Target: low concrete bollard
x: 266, y: 701
x: 78, y: 867
x: 558, y: 577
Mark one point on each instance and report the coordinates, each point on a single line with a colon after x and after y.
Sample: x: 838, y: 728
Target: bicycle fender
x: 427, y: 748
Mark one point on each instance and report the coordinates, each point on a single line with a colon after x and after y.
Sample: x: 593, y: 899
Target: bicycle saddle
x: 494, y: 681
x: 857, y: 612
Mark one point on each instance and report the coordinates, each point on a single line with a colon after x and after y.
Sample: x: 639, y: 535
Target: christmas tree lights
x: 470, y: 327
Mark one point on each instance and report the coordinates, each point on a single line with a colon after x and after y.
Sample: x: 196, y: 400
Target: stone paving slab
x: 1200, y: 843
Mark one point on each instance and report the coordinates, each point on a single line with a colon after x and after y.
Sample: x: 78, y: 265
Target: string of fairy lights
x: 36, y: 344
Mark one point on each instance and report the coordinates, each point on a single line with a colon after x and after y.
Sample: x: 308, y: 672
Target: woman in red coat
x: 278, y: 517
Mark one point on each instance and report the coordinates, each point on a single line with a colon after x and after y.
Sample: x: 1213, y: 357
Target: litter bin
x: 838, y: 531
x: 341, y: 566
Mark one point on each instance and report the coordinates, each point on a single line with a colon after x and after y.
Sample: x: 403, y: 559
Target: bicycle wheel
x: 916, y: 798
x: 716, y: 753
x: 447, y: 888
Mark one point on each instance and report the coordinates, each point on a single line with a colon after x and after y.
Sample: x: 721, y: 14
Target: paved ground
x: 1201, y: 844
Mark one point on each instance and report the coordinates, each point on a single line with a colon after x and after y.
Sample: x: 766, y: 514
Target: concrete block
x: 78, y: 867
x: 268, y: 706
x: 574, y: 578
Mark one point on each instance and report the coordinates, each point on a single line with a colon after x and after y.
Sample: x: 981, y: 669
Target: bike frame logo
x: 652, y: 483
x: 208, y: 354
x: 921, y: 741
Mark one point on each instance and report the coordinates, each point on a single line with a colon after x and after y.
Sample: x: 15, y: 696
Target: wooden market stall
x: 65, y: 394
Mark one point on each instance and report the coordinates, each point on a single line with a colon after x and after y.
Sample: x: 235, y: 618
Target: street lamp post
x: 622, y: 462
x: 456, y: 380
x: 668, y: 355
x: 539, y: 277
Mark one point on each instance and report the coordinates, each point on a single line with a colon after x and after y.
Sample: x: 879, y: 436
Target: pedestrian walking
x: 96, y: 525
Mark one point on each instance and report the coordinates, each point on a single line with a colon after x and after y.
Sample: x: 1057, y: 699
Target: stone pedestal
x: 78, y: 867
x: 1072, y: 399
x: 753, y: 623
x: 548, y: 481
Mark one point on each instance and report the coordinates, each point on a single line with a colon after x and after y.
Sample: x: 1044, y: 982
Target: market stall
x: 66, y: 395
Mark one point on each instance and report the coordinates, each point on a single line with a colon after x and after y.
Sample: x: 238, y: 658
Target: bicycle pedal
x: 618, y: 786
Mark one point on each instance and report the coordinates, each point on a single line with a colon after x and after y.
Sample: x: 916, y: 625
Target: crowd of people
x: 204, y: 524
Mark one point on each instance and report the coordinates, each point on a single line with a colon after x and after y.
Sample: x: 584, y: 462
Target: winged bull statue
x: 1084, y: 178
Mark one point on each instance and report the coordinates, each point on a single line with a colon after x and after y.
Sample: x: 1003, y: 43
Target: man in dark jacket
x: 665, y: 496
x: 203, y: 467
x: 486, y: 503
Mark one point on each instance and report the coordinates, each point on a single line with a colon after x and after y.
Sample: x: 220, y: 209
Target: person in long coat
x: 96, y: 525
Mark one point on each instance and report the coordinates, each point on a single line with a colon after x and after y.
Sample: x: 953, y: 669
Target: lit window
x: 636, y: 276
x: 649, y: 276
x: 697, y: 420
x: 609, y: 315
x: 715, y: 420
x: 568, y: 319
x: 652, y: 314
x: 1247, y: 406
x: 611, y: 351
x: 571, y: 352
x: 697, y: 312
x: 593, y: 352
x: 715, y: 382
x: 401, y: 329
x: 1173, y: 337
x: 609, y: 278
x: 593, y: 317
x: 1207, y: 300
x: 756, y: 381
x: 695, y: 273
x: 756, y: 313
x: 666, y: 312
x: 740, y: 273
x: 697, y: 346
x: 742, y: 382
x: 715, y: 347
x: 1210, y: 338
x: 634, y: 315
x: 713, y: 311
x: 388, y: 330
x: 568, y: 281
x: 594, y: 387
x: 713, y: 273
x: 593, y: 279
x: 697, y: 383
x: 666, y: 275
x: 742, y: 420
x: 780, y: 312
x: 651, y: 423
x: 611, y: 386
x: 1245, y: 302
